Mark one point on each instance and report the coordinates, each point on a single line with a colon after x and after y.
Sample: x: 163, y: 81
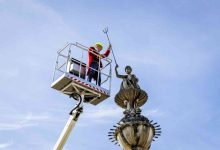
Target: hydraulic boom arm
x: 74, y: 115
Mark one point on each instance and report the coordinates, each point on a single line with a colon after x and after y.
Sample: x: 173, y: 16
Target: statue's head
x: 128, y: 69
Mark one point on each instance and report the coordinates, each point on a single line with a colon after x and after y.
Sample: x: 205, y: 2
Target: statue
x: 134, y: 131
x: 130, y: 95
x: 129, y: 80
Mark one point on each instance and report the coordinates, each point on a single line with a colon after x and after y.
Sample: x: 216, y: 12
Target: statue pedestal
x: 131, y: 98
x: 134, y: 131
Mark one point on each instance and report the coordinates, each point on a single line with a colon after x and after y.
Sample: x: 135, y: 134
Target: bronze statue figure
x: 134, y: 131
x: 129, y: 80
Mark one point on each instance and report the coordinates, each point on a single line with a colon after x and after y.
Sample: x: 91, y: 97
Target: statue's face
x: 128, y: 70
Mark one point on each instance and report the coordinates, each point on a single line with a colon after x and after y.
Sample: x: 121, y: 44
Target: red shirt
x: 95, y: 58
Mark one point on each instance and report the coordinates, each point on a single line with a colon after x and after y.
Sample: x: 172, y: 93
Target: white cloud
x: 153, y: 112
x: 20, y: 122
x: 171, y: 64
x: 106, y: 114
x: 5, y: 145
x: 102, y: 114
x: 15, y: 126
x: 103, y: 111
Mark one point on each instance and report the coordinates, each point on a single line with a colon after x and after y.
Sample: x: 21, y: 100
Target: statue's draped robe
x: 130, y: 81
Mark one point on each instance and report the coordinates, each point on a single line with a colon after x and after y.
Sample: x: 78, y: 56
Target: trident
x: 106, y: 32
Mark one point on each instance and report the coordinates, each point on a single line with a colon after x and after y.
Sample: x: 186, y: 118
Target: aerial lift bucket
x: 70, y: 79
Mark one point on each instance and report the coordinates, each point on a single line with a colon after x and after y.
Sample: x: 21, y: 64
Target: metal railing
x: 65, y: 55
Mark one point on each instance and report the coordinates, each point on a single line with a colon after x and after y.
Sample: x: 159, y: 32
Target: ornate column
x: 134, y: 131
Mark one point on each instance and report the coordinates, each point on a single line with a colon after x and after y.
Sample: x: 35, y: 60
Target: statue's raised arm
x: 129, y: 80
x: 118, y: 75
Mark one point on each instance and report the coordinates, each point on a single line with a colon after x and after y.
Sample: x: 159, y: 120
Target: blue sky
x: 173, y: 47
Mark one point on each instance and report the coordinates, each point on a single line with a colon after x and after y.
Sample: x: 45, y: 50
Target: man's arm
x: 107, y: 52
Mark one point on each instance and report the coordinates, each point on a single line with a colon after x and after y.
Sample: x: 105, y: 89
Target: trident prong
x: 105, y: 30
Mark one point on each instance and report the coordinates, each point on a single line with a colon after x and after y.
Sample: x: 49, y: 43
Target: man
x: 95, y: 62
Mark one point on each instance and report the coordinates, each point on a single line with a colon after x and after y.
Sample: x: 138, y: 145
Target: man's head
x: 99, y: 46
x: 128, y: 69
